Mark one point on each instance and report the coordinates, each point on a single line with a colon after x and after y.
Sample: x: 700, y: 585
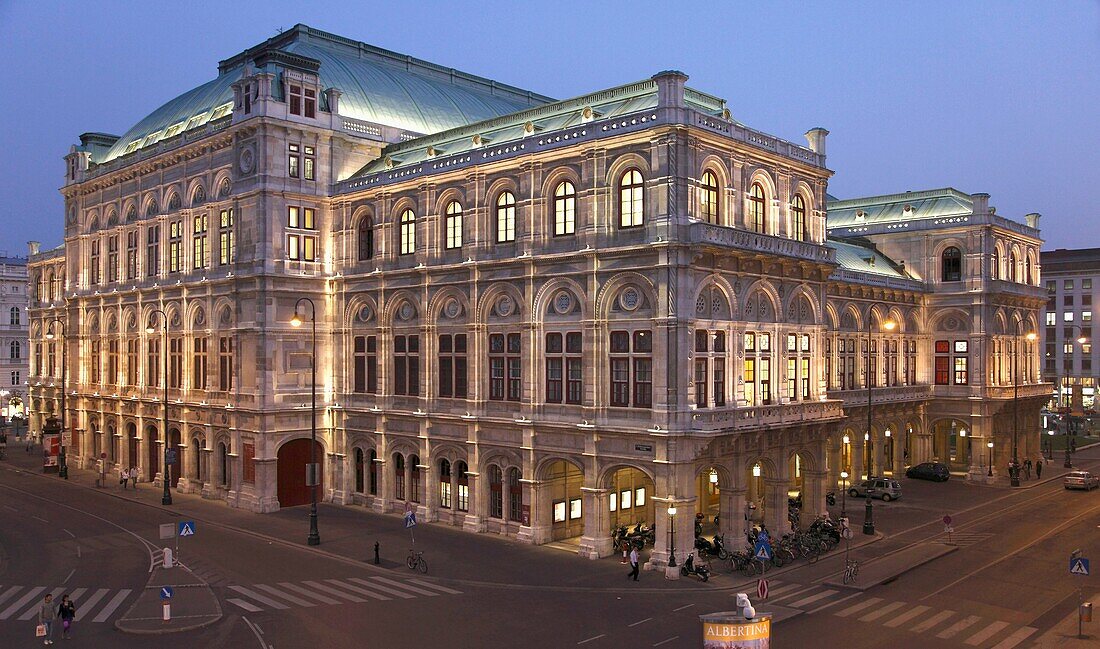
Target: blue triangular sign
x: 187, y: 529
x: 1079, y: 567
x: 763, y: 550
x: 410, y: 519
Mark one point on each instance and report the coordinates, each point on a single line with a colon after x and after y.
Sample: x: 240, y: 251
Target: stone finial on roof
x: 670, y: 88
x: 1032, y: 220
x: 980, y: 203
x: 815, y: 137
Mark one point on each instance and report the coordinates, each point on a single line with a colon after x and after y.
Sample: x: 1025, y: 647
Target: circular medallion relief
x: 364, y: 313
x: 505, y: 306
x: 563, y: 302
x: 246, y: 160
x: 629, y: 298
x: 452, y: 309
x: 406, y: 312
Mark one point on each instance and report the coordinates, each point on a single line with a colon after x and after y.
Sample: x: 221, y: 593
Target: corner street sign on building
x: 763, y: 549
x: 166, y: 592
x: 1079, y: 566
x: 187, y: 528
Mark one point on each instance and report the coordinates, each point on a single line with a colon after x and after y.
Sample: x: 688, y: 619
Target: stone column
x: 775, y: 514
x: 596, y: 540
x: 266, y: 486
x: 429, y: 494
x: 857, y: 458
x: 835, y: 459
x: 539, y: 529
x: 382, y: 502
x: 336, y: 477
x: 731, y: 519
x: 683, y: 543
x: 813, y: 495
x: 475, y: 520
x: 209, y: 485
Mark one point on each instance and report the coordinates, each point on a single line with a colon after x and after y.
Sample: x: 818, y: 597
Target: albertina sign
x: 731, y: 631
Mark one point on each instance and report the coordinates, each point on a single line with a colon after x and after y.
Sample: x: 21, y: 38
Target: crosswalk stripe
x: 73, y: 596
x: 112, y: 605
x: 408, y: 587
x: 298, y: 589
x: 953, y: 630
x: 332, y: 591
x: 877, y: 613
x: 794, y: 593
x: 428, y: 584
x: 813, y: 598
x: 11, y: 591
x: 932, y: 621
x: 391, y: 591
x: 21, y: 602
x: 258, y: 597
x: 245, y: 605
x: 87, y: 606
x: 361, y: 591
x: 1016, y: 638
x: 855, y: 608
x: 986, y: 633
x: 773, y: 593
x: 895, y: 622
x: 287, y: 596
x: 33, y: 611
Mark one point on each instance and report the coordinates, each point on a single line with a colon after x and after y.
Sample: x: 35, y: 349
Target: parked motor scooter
x: 830, y: 498
x: 689, y: 567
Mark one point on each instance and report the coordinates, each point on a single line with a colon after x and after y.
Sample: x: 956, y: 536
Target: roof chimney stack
x: 980, y: 202
x: 670, y: 88
x: 816, y: 138
x: 1032, y: 220
x: 33, y: 247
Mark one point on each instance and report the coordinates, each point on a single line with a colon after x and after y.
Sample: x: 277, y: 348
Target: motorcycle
x: 690, y: 568
x: 715, y: 547
x: 830, y: 498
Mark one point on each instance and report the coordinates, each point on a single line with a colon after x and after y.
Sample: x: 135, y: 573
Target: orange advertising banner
x: 737, y: 633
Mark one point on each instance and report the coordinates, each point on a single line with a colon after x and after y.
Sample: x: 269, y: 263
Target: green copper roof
x: 851, y: 256
x: 378, y: 86
x: 931, y: 204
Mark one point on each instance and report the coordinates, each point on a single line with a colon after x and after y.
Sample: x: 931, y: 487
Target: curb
x: 120, y: 622
x: 178, y: 629
x: 866, y: 586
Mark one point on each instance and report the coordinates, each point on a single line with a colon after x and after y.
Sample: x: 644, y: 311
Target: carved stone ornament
x: 505, y: 306
x: 200, y: 318
x: 226, y: 316
x: 246, y: 160
x: 563, y: 302
x: 452, y: 309
x: 364, y: 314
x: 701, y: 305
x: 405, y: 312
x: 629, y: 299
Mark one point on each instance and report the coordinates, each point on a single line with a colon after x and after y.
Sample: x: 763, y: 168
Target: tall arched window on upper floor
x: 365, y: 239
x: 565, y: 208
x: 15, y: 317
x: 506, y: 217
x: 1012, y: 262
x: 799, y: 228
x: 15, y: 350
x: 708, y: 197
x: 757, y: 213
x: 995, y: 272
x: 408, y: 232
x: 951, y: 265
x: 631, y: 199
x: 1027, y: 270
x: 453, y: 236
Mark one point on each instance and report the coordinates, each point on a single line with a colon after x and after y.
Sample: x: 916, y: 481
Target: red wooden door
x: 291, y: 469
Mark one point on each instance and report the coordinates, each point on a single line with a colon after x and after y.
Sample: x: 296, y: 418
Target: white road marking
x: 932, y: 621
x: 640, y: 622
x: 899, y: 620
x: 287, y: 596
x: 408, y: 587
x: 953, y: 630
x: 245, y: 605
x: 658, y: 644
x: 877, y: 613
x: 986, y: 633
x: 1016, y: 638
x: 428, y: 584
x: 332, y: 591
x: 595, y: 637
x: 78, y: 554
x: 39, y: 518
x: 812, y: 598
x: 682, y: 608
x: 777, y: 592
x: 68, y: 532
x: 254, y: 628
x: 795, y: 593
x: 76, y: 594
x: 21, y: 602
x: 92, y: 601
x: 833, y: 603
x: 391, y: 591
x: 258, y: 597
x: 855, y: 608
x: 361, y: 591
x: 66, y: 580
x: 11, y: 591
x: 112, y: 605
x: 33, y: 611
x: 302, y: 591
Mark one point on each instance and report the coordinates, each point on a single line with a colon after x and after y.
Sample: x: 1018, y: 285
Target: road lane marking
x: 1016, y: 638
x: 812, y: 598
x: 245, y: 605
x: 392, y: 591
x: 361, y: 591
x: 11, y: 591
x: 39, y: 518
x: 112, y: 605
x: 308, y: 593
x: 953, y: 630
x: 794, y: 593
x: 640, y: 622
x: 682, y: 608
x: 595, y: 637
x: 254, y: 628
x: 66, y: 580
x: 932, y: 621
x: 658, y: 644
x: 834, y: 603
x: 778, y: 592
x: 332, y: 591
x: 986, y: 633
x: 876, y: 614
x: 21, y: 602
x: 28, y: 614
x: 855, y: 608
x: 68, y: 532
x: 287, y: 596
x: 78, y: 553
x: 895, y: 622
x: 92, y: 601
x: 428, y: 584
x: 410, y: 588
x: 76, y: 593
x: 258, y: 597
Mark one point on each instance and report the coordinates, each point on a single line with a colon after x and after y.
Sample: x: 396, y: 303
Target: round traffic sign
x: 846, y: 532
x: 762, y: 588
x: 946, y: 520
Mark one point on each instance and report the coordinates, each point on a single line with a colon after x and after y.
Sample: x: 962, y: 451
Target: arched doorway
x: 198, y: 470
x: 952, y: 444
x: 291, y: 464
x: 131, y: 445
x: 152, y: 450
x: 111, y: 445
x: 709, y: 485
x: 223, y: 464
x: 563, y: 481
x: 629, y: 494
x: 176, y: 465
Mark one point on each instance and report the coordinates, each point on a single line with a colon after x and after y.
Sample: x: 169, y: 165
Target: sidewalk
x: 1064, y: 634
x: 193, y: 604
x: 1052, y: 469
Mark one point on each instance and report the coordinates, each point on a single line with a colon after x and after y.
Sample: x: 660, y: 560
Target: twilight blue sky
x: 1001, y: 97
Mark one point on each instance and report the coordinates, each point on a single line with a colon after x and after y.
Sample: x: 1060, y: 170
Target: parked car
x: 929, y: 471
x: 1081, y: 480
x: 883, y: 488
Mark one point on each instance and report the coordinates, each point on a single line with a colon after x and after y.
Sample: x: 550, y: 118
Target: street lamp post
x: 671, y: 534
x: 166, y: 498
x: 1050, y: 445
x: 314, y: 537
x: 962, y: 434
x: 1014, y: 471
x: 990, y: 445
x: 63, y: 468
x: 844, y: 494
x: 869, y: 521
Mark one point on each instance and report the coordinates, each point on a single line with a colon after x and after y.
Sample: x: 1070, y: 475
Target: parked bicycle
x: 416, y: 561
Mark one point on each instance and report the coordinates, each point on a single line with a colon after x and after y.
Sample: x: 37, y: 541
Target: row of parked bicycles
x: 821, y: 537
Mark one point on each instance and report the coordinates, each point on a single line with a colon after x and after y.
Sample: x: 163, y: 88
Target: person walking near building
x: 1039, y: 469
x: 633, y: 564
x: 67, y: 612
x: 133, y: 476
x: 1027, y: 468
x: 123, y: 476
x: 47, y: 613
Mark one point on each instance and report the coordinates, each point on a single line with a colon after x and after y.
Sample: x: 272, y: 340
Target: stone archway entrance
x: 629, y: 494
x: 563, y: 481
x: 131, y: 446
x: 953, y: 444
x: 152, y: 450
x: 291, y: 464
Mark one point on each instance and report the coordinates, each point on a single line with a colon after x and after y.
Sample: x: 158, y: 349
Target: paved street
x: 1003, y: 584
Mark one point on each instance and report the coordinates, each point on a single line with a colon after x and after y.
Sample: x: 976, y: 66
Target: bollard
x: 376, y: 559
x: 869, y: 518
x: 167, y: 611
x: 1084, y: 614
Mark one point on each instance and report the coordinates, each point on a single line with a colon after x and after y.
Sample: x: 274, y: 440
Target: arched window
x: 15, y: 350
x: 414, y: 469
x: 708, y: 198
x: 454, y: 225
x: 1011, y: 274
x: 565, y: 208
x: 408, y: 232
x: 496, y: 492
x: 631, y: 199
x: 1027, y: 270
x: 951, y: 265
x: 463, y: 500
x: 995, y: 272
x: 151, y: 209
x: 399, y: 476
x: 444, y: 484
x: 200, y: 196
x: 515, y: 496
x: 359, y: 470
x: 365, y: 236
x: 506, y: 217
x: 373, y: 472
x: 757, y: 213
x: 223, y: 463
x: 798, y: 218
x: 14, y: 315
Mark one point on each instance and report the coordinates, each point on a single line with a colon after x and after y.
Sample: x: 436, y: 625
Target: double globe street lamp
x: 63, y: 466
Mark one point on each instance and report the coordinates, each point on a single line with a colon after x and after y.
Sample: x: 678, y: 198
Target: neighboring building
x: 14, y: 351
x: 1070, y: 361
x: 536, y: 318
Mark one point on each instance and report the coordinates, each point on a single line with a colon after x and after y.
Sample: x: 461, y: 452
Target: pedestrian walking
x: 633, y: 564
x: 123, y: 477
x: 1027, y: 468
x: 134, y: 476
x: 47, y: 613
x: 67, y: 612
x: 1039, y: 469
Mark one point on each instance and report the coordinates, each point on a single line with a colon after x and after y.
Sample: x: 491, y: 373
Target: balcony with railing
x: 882, y: 395
x: 768, y: 416
x: 727, y: 237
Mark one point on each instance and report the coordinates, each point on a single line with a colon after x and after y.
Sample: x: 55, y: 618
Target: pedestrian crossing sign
x: 410, y: 518
x: 763, y: 550
x: 1079, y: 566
x: 187, y: 528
